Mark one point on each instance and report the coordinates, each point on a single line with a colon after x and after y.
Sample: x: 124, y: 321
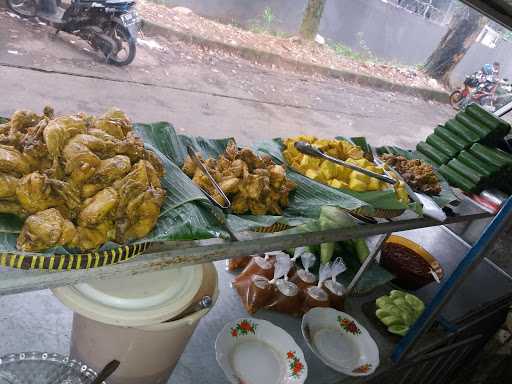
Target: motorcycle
x: 475, y: 90
x: 109, y: 26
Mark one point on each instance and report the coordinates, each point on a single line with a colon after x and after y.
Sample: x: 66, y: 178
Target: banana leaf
x: 375, y: 199
x: 305, y: 202
x: 446, y: 196
x: 185, y: 215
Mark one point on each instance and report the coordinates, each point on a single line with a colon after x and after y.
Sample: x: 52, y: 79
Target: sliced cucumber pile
x: 398, y: 311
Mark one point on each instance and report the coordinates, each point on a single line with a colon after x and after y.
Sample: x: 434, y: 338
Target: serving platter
x: 254, y: 351
x: 340, y: 341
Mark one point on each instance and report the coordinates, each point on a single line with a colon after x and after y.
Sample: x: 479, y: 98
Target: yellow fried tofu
x: 374, y: 184
x: 309, y: 162
x: 328, y: 169
x: 312, y: 174
x: 343, y: 173
x: 357, y: 185
x: 335, y: 183
x: 359, y: 176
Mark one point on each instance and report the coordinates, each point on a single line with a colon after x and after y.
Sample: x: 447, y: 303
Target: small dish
x: 340, y: 341
x: 254, y: 351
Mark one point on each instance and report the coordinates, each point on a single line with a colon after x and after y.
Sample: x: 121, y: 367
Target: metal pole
x: 504, y: 110
x: 484, y: 246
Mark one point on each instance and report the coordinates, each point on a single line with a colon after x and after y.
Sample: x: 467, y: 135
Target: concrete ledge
x: 296, y: 65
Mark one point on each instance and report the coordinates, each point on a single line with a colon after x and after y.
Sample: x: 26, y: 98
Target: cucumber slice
x: 407, y: 318
x: 392, y: 309
x: 400, y: 330
x: 391, y: 320
x: 383, y: 301
x: 381, y: 313
x: 415, y: 303
x: 399, y: 301
x: 396, y: 294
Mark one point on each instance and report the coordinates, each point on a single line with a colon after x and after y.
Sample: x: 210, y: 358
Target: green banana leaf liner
x: 185, y: 215
x: 382, y: 204
x: 305, y: 202
x: 446, y: 196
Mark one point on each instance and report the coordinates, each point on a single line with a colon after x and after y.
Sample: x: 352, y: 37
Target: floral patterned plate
x: 254, y: 351
x: 340, y: 341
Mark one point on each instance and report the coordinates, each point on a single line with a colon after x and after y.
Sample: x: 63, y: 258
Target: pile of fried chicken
x: 78, y: 181
x: 253, y: 184
x: 418, y: 174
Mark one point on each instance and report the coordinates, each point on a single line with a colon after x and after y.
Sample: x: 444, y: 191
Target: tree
x: 462, y: 32
x: 311, y: 20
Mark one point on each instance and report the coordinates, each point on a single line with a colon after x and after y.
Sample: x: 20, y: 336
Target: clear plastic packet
x: 237, y: 263
x: 336, y: 291
x: 315, y: 296
x: 302, y: 277
x: 258, y: 265
x: 287, y: 299
x: 255, y: 292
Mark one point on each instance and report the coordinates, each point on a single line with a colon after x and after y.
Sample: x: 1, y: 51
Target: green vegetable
x: 381, y: 313
x: 394, y: 294
x: 391, y: 320
x: 400, y: 330
x: 462, y: 131
x: 383, y: 301
x: 432, y: 153
x: 332, y: 217
x: 457, y: 180
x: 392, y: 309
x: 454, y: 140
x: 407, y: 318
x: 477, y: 164
x: 482, y: 131
x: 362, y: 249
x: 492, y: 155
x: 490, y: 120
x: 439, y: 143
x: 399, y: 301
x: 468, y: 172
x: 415, y: 303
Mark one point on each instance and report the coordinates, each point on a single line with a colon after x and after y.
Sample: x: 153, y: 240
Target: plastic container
x: 148, y: 352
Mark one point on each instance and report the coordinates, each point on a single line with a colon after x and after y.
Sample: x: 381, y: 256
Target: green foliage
x: 266, y: 24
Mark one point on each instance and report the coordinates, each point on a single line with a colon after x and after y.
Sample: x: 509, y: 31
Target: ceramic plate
x: 253, y: 351
x: 340, y: 341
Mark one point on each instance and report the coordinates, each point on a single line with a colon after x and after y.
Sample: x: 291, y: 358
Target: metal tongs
x: 199, y: 163
x: 308, y: 149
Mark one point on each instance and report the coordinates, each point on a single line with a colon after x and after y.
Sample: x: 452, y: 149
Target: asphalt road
x: 201, y: 92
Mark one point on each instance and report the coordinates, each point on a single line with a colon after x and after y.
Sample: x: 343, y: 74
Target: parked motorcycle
x: 109, y: 26
x: 475, y: 90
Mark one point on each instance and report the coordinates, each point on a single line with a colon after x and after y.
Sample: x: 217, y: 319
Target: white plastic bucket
x: 147, y: 353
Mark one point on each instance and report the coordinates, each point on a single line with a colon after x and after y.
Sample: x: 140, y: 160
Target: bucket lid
x: 139, y: 300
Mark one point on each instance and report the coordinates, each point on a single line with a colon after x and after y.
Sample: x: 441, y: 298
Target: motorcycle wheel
x: 126, y: 46
x: 455, y: 99
x: 23, y: 8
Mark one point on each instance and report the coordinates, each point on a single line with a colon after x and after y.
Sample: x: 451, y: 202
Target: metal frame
x: 164, y: 255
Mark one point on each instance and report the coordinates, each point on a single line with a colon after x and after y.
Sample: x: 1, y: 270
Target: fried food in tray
x: 418, y: 174
x: 79, y: 181
x: 254, y: 184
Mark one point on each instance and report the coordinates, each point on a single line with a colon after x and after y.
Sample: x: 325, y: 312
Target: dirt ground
x: 201, y: 92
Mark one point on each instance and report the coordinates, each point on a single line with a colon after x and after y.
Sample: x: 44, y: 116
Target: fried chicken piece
x: 240, y: 204
x: 277, y: 176
x: 131, y: 146
x: 13, y: 208
x: 21, y: 120
x: 257, y: 207
x: 189, y: 166
x: 115, y: 123
x: 231, y: 152
x: 8, y: 185
x: 155, y: 161
x: 87, y: 238
x: 229, y: 184
x: 13, y: 161
x: 58, y: 131
x: 250, y: 158
x: 253, y: 185
x: 45, y: 229
x: 237, y: 169
x: 99, y: 208
x: 34, y: 193
x: 112, y: 169
x: 141, y: 215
